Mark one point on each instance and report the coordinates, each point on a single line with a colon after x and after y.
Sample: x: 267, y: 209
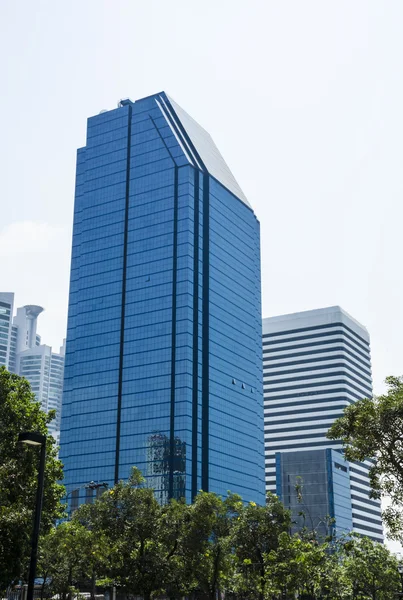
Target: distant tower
x: 315, y: 363
x: 26, y: 356
x: 6, y: 318
x: 26, y: 320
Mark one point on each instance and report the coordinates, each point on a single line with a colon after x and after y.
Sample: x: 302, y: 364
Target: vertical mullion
x: 123, y: 308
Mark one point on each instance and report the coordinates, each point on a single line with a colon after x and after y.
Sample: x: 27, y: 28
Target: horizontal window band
x: 302, y: 411
x: 360, y: 490
x: 296, y: 437
x: 366, y: 500
x: 325, y: 342
x: 269, y: 425
x: 283, y: 396
x: 314, y: 367
x: 366, y: 509
x: 363, y: 527
x: 366, y: 518
x: 360, y: 481
x: 281, y: 357
x: 272, y: 433
x: 324, y: 376
x: 314, y: 405
x: 286, y: 340
x: 314, y: 327
x: 298, y: 446
x: 364, y: 472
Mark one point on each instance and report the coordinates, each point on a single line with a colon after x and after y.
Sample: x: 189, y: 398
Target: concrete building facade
x: 315, y: 363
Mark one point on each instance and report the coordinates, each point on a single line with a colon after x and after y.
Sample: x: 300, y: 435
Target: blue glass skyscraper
x: 163, y: 361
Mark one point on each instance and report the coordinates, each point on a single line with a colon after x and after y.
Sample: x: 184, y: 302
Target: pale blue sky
x: 303, y: 98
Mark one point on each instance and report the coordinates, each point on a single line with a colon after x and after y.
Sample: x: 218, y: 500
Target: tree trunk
x: 45, y: 576
x: 69, y: 583
x: 214, y: 585
x: 93, y: 586
x: 262, y: 581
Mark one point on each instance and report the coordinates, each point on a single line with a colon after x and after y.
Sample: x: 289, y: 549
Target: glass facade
x: 315, y: 486
x: 163, y: 360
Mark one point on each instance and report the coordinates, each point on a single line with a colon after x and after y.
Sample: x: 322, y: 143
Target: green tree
x: 335, y: 582
x: 129, y: 515
x: 67, y: 555
x: 180, y: 544
x: 373, y: 428
x: 128, y: 520
x: 371, y: 568
x: 174, y: 549
x: 19, y: 412
x: 297, y: 566
x: 256, y: 533
x: 95, y: 550
x: 208, y: 541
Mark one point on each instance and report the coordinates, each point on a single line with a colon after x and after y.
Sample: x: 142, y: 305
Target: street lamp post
x: 35, y: 439
x: 400, y: 569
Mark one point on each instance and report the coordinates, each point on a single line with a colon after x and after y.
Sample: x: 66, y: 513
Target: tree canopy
x: 212, y: 547
x: 19, y: 412
x: 373, y: 428
x: 370, y: 568
x: 256, y: 533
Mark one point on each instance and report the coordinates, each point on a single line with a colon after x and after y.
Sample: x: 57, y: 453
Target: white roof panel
x: 209, y: 153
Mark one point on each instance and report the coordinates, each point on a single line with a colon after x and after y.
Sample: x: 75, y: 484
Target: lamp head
x: 32, y: 438
x: 94, y: 486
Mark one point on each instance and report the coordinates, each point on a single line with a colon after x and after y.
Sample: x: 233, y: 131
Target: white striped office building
x: 314, y: 364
